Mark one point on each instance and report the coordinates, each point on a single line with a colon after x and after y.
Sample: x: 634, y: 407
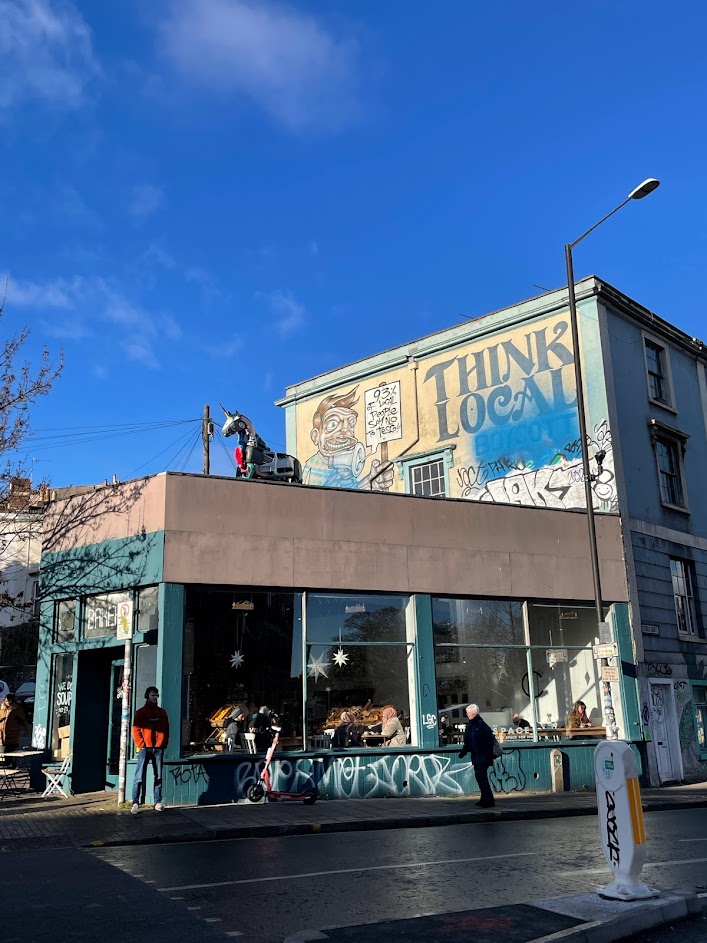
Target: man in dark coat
x: 478, y: 741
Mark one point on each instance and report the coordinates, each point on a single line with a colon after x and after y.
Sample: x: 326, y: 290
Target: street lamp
x: 648, y: 186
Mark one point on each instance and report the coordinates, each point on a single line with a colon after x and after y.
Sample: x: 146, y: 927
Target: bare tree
x: 21, y: 504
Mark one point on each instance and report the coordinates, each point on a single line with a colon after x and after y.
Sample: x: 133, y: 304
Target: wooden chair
x: 248, y: 741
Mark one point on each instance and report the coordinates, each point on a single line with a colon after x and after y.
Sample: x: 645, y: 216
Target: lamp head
x: 643, y: 189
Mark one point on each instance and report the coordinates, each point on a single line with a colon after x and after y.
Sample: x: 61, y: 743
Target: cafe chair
x: 9, y: 782
x: 55, y: 777
x: 248, y: 741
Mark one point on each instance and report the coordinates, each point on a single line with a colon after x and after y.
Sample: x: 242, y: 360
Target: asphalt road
x: 262, y: 890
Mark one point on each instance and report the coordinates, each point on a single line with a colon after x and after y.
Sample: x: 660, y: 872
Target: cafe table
x: 572, y: 733
x: 33, y: 765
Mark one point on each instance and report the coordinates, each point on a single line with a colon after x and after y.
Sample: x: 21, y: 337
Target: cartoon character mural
x: 341, y: 456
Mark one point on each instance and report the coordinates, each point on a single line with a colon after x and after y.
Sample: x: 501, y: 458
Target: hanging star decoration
x: 237, y: 660
x: 341, y: 659
x: 317, y: 666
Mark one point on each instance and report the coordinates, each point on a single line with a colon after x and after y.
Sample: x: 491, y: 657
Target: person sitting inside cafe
x: 345, y: 734
x: 13, y: 723
x: 261, y: 726
x: 391, y: 729
x: 521, y: 722
x: 578, y: 716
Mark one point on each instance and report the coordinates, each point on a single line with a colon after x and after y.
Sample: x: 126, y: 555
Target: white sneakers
x: 159, y: 807
x: 135, y: 809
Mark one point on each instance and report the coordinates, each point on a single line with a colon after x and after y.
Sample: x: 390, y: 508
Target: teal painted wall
x: 373, y: 774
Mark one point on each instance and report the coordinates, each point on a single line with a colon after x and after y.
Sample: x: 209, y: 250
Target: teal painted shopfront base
x: 211, y: 780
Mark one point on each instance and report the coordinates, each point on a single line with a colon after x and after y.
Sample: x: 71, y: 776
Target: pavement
x: 94, y: 820
x: 583, y: 918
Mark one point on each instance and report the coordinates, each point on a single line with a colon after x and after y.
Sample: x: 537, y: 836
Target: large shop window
x: 62, y: 695
x: 242, y: 652
x: 101, y: 613
x: 360, y: 660
x: 524, y: 691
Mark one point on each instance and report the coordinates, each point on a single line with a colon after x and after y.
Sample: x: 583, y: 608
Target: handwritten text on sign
x: 383, y: 417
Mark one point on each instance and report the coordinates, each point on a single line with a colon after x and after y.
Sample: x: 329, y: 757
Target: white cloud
x: 138, y: 332
x: 280, y: 58
x: 46, y: 53
x: 145, y: 200
x: 289, y: 312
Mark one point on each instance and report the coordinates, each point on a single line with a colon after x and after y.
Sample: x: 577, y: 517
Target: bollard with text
x: 623, y: 836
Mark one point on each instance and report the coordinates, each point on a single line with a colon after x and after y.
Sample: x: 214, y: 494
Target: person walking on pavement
x: 151, y: 736
x: 478, y: 742
x: 13, y: 723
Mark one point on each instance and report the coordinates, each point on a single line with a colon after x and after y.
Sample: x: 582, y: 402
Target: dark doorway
x: 91, y: 720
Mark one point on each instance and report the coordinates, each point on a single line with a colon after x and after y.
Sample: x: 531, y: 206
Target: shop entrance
x: 95, y: 696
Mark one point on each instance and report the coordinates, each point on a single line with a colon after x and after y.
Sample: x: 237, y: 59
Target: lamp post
x: 648, y: 186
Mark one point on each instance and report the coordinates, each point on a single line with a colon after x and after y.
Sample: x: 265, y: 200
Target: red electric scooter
x: 263, y: 786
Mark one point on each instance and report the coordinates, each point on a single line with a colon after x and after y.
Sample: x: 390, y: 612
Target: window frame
x: 700, y: 686
x: 440, y: 476
x: 666, y: 376
x: 688, y: 578
x: 405, y: 465
x: 661, y: 433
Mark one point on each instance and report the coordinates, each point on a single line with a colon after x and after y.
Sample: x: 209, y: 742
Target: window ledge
x: 666, y: 406
x: 675, y: 507
x: 695, y: 639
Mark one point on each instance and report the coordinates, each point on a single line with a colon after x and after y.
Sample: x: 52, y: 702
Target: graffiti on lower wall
x: 691, y: 761
x: 357, y: 776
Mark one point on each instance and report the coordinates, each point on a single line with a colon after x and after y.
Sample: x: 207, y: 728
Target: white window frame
x: 660, y: 432
x: 667, y: 375
x: 406, y: 463
x: 439, y: 477
x: 684, y: 602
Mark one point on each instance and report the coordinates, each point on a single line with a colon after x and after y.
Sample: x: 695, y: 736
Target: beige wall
x: 251, y: 533
x: 105, y: 513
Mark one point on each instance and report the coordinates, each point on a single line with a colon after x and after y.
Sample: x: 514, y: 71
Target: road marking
x: 692, y: 839
x: 374, y: 867
x: 212, y: 920
x: 190, y: 908
x: 176, y: 898
x: 233, y: 933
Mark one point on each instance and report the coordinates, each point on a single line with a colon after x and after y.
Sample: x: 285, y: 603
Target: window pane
x: 428, y: 480
x: 242, y: 651
x: 684, y: 600
x: 702, y: 727
x: 147, y: 609
x: 355, y: 618
x: 101, y: 616
x: 562, y: 678
x: 373, y: 677
x: 64, y: 620
x: 477, y: 621
x: 572, y: 626
x: 62, y: 693
x: 494, y: 678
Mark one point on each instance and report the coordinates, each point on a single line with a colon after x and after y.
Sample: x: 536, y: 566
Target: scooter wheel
x: 255, y: 793
x: 310, y: 797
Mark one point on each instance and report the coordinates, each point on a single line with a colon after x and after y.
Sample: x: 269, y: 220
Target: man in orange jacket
x: 151, y: 736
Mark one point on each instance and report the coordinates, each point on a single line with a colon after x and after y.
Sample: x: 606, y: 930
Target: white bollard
x: 623, y: 836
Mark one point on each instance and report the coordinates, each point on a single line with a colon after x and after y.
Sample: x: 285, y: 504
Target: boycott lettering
x: 500, y: 384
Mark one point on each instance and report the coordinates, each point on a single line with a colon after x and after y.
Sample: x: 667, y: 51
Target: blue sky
x: 206, y: 200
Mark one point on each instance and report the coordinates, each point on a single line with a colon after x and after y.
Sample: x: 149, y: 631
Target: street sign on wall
x: 609, y: 673
x: 606, y: 651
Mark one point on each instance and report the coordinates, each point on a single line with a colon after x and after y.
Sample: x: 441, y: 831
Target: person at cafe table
x: 578, y: 716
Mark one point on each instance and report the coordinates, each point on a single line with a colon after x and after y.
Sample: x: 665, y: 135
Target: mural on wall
x: 341, y: 457
x: 692, y: 763
x: 506, y: 404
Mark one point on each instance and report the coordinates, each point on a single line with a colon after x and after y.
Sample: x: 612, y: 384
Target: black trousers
x: 482, y: 778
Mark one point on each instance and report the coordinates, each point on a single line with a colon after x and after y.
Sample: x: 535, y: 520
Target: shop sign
x: 606, y: 651
x: 568, y: 614
x: 609, y: 673
x: 650, y: 628
x: 243, y: 605
x: 124, y: 627
x: 556, y: 655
